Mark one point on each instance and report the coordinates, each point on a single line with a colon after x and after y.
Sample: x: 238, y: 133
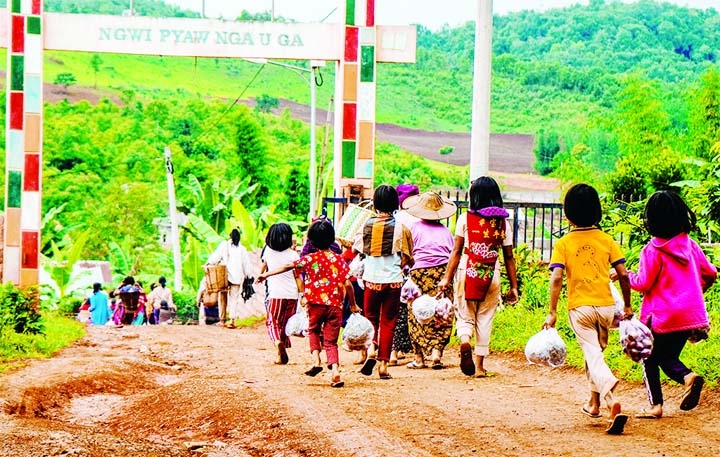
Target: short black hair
x: 321, y: 234
x: 385, y: 199
x: 235, y: 237
x: 279, y: 237
x: 667, y: 215
x: 582, y: 206
x: 162, y: 281
x: 485, y: 192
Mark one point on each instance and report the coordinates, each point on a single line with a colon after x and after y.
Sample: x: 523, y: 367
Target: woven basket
x: 352, y: 221
x: 216, y: 278
x: 130, y: 301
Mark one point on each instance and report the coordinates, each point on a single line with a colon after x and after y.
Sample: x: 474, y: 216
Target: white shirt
x: 282, y: 285
x: 235, y: 258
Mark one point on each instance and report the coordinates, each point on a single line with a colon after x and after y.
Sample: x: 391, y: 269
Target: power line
x: 237, y: 99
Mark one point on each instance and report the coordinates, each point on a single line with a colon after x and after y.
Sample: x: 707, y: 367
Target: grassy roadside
x: 60, y: 332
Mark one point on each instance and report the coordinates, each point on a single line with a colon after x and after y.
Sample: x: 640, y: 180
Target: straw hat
x: 430, y: 206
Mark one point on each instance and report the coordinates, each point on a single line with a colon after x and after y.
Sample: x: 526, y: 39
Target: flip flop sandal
x: 337, y: 384
x: 437, y: 365
x: 691, y: 397
x: 314, y: 371
x: 617, y: 424
x: 385, y: 376
x: 368, y: 367
x: 645, y: 414
x: 589, y: 414
x: 467, y: 365
x: 415, y: 366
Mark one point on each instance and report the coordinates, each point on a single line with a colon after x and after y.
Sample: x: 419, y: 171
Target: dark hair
x: 97, y: 287
x: 128, y: 281
x: 321, y: 234
x: 279, y: 237
x: 667, y: 215
x: 484, y: 192
x: 582, y: 206
x: 162, y: 281
x: 385, y: 199
x: 235, y: 237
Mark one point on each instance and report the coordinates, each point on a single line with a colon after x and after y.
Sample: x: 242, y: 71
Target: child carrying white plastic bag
x: 546, y: 348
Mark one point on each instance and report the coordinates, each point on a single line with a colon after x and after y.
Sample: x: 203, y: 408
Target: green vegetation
x: 623, y: 96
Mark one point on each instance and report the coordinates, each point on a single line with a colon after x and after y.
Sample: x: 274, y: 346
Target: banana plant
x: 60, y: 265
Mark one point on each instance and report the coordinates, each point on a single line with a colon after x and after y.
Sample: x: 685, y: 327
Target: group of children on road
x: 672, y: 275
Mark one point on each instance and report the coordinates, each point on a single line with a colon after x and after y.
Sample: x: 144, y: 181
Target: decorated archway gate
x: 356, y: 46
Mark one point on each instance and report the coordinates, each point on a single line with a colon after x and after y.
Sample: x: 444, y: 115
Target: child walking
x: 672, y: 276
x: 480, y: 235
x: 585, y: 255
x: 282, y: 292
x: 323, y: 279
x: 387, y: 246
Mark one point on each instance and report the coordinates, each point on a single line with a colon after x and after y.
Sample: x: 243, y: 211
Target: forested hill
x: 551, y: 69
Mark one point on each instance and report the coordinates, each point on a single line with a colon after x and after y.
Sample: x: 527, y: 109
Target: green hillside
x: 551, y: 69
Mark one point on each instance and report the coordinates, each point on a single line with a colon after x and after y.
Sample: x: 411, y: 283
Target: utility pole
x: 313, y: 153
x: 174, y: 232
x: 482, y: 72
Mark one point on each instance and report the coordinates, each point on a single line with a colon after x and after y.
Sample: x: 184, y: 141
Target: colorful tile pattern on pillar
x: 359, y: 72
x: 23, y: 161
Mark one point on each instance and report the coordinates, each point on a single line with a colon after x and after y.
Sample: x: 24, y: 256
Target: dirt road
x: 188, y: 390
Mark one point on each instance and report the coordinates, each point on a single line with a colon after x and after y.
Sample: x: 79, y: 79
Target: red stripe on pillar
x: 349, y: 120
x: 32, y: 173
x: 16, y: 110
x: 36, y: 7
x: 18, y: 33
x: 370, y: 13
x: 29, y: 250
x: 351, y: 44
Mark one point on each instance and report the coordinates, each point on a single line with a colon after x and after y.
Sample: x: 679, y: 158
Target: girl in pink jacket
x: 672, y: 276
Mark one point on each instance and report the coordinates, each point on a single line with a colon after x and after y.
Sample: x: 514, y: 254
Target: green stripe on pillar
x: 367, y: 64
x: 350, y: 12
x: 15, y: 8
x: 348, y: 159
x: 14, y: 189
x: 33, y: 25
x: 17, y: 63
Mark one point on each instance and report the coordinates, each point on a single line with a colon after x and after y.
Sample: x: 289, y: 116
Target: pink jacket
x: 672, y: 276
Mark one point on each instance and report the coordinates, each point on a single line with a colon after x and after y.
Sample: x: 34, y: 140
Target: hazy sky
x: 430, y: 13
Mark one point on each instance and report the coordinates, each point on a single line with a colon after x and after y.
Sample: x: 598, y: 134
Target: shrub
x: 20, y: 309
x: 186, y: 307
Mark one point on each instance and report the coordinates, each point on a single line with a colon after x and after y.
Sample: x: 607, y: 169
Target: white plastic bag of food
x: 444, y: 311
x: 546, y: 348
x: 636, y: 339
x: 358, y: 332
x: 423, y: 308
x: 297, y: 325
x: 409, y: 291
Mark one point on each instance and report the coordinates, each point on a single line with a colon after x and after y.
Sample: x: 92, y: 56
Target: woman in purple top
x: 672, y: 276
x: 433, y: 242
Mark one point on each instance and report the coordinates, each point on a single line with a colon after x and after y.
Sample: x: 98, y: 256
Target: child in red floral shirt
x: 323, y: 279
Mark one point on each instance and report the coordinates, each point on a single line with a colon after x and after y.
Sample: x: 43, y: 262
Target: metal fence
x: 537, y: 225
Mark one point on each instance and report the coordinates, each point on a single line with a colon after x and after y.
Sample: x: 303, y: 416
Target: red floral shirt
x: 324, y: 275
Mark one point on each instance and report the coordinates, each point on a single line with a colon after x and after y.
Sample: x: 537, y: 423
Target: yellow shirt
x: 587, y: 254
